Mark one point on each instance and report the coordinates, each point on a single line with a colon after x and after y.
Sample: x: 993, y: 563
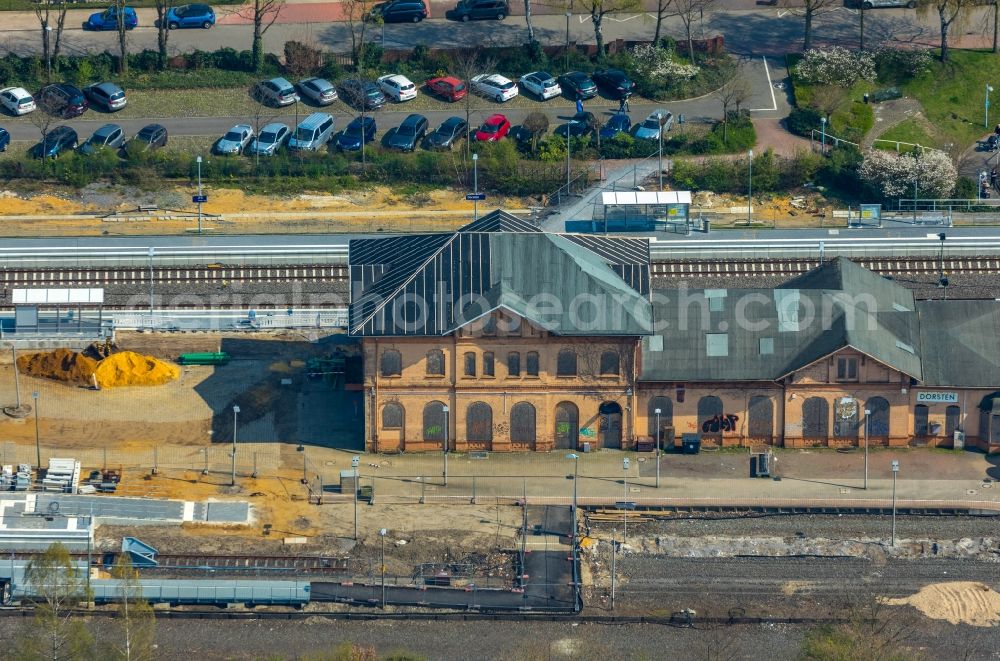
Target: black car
x: 577, y: 85
x: 473, y: 10
x: 109, y: 136
x: 614, y: 83
x: 152, y: 136
x: 4, y: 139
x: 400, y: 11
x: 582, y: 123
x: 361, y: 94
x: 62, y: 100
x: 58, y: 140
x: 409, y: 133
x: 359, y: 131
x: 445, y: 136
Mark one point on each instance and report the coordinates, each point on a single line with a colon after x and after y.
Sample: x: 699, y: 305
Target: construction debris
x: 61, y: 364
x: 117, y: 369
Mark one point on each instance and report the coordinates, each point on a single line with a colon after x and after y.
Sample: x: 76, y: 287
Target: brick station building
x: 501, y: 337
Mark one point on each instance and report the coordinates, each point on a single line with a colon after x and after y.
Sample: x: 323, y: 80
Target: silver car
x: 275, y: 92
x: 269, y: 140
x: 109, y: 136
x: 234, y: 140
x: 317, y: 90
x: 650, y: 128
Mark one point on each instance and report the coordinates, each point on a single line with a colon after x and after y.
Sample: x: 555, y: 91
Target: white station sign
x: 937, y: 398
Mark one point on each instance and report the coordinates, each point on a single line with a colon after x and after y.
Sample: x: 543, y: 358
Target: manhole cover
x: 970, y: 492
x: 328, y: 463
x: 845, y: 491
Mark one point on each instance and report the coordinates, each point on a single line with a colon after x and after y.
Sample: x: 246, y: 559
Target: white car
x: 494, y: 86
x: 542, y: 85
x: 397, y: 87
x: 17, y: 100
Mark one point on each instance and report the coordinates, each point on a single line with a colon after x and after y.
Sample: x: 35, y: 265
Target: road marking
x: 774, y: 100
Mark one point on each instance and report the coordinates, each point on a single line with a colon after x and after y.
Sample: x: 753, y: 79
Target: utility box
x: 347, y: 483
x: 690, y: 443
x: 958, y: 440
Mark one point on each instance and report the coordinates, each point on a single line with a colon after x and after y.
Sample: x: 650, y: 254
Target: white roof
x: 397, y: 78
x: 53, y: 296
x: 627, y: 198
x: 17, y: 92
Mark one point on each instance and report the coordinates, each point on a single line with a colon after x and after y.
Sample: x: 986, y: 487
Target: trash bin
x: 866, y: 98
x: 690, y: 444
x: 705, y: 225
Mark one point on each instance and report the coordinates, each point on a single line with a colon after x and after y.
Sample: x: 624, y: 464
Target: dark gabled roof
x: 433, y: 284
x: 960, y: 343
x: 841, y: 274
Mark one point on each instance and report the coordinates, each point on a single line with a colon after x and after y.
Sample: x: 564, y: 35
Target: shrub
x: 894, y: 175
x: 802, y: 121
x: 836, y: 66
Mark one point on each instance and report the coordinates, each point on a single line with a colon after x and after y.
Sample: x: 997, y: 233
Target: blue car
x: 4, y: 139
x: 350, y: 139
x: 108, y: 20
x: 618, y: 123
x: 190, y: 16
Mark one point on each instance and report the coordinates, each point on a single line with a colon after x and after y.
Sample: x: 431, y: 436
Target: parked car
x: 318, y: 90
x: 63, y: 100
x: 152, y: 136
x: 106, y: 96
x: 871, y: 4
x: 541, y: 84
x: 58, y: 140
x: 109, y: 136
x: 578, y: 85
x: 400, y: 11
x: 409, y: 134
x: 360, y: 130
x: 445, y: 136
x: 312, y: 132
x: 16, y: 100
x: 651, y: 126
x: 275, y: 92
x: 269, y: 140
x: 108, y: 19
x: 4, y: 139
x: 235, y: 140
x: 614, y: 83
x: 494, y: 86
x: 448, y: 88
x: 493, y: 129
x: 474, y: 10
x: 190, y: 16
x: 398, y: 88
x: 579, y: 124
x: 361, y: 94
x: 617, y: 123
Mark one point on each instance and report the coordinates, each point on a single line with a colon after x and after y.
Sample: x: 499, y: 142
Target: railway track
x: 892, y: 266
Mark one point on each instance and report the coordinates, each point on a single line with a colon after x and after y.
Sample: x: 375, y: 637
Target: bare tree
x: 262, y: 14
x: 122, y: 32
x: 262, y: 115
x: 537, y: 124
x: 135, y: 621
x: 358, y: 16
x: 598, y: 9
x: 51, y: 16
x: 162, y: 31
x: 687, y: 11
x: 810, y: 9
x: 949, y: 12
x: 466, y: 64
x: 861, y: 25
x: 661, y: 12
x: 527, y: 20
x: 827, y: 99
x: 734, y: 93
x: 46, y: 113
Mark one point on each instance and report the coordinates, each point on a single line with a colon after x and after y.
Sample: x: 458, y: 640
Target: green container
x: 206, y: 358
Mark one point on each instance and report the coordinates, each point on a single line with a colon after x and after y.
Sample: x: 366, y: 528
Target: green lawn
x: 910, y: 130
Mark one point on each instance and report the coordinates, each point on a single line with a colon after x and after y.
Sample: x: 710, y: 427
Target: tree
x: 465, y: 64
x: 357, y: 14
x: 810, y: 9
x: 687, y: 11
x: 49, y: 12
x: 733, y: 94
x: 263, y: 114
x: 949, y: 12
x: 135, y: 621
x: 930, y: 172
x: 122, y: 33
x: 537, y: 124
x: 57, y: 586
x: 162, y: 32
x: 262, y: 14
x: 828, y: 98
x: 598, y: 9
x: 527, y: 20
x: 661, y: 12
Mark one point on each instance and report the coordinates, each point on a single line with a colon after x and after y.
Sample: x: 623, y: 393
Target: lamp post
x: 988, y: 90
x: 48, y: 53
x: 868, y: 412
x: 659, y: 150
x: 822, y: 123
x: 895, y: 470
x: 576, y: 473
x: 916, y: 180
x: 567, y: 158
x: 38, y: 447
x: 381, y: 533
x: 569, y: 15
x: 475, y: 186
x: 355, y: 461
x: 657, y: 412
x: 750, y: 187
x: 236, y: 412
x: 445, y: 444
x: 198, y: 160
x: 152, y: 253
x: 625, y: 463
x: 942, y: 281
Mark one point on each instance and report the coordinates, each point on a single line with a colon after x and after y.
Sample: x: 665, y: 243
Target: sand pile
x: 959, y: 602
x: 132, y: 369
x: 61, y: 364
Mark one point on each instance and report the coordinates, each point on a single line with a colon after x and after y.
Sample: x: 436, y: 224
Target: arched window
x: 815, y: 418
x: 845, y: 418
x: 531, y: 366
x: 391, y: 363
x: 666, y: 406
x: 610, y: 363
x: 952, y: 420
x: 760, y: 418
x: 566, y: 363
x: 435, y: 421
x: 392, y: 416
x: 567, y: 426
x: 479, y: 422
x: 710, y: 418
x: 522, y: 423
x: 435, y: 362
x: 920, y: 426
x: 878, y: 417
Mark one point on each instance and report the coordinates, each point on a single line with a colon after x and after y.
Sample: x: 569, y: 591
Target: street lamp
x: 625, y: 463
x: 38, y: 447
x: 445, y: 444
x: 895, y: 470
x: 475, y: 186
x: 750, y: 188
x: 152, y: 253
x: 569, y: 15
x: 236, y: 411
x: 576, y: 473
x: 198, y: 160
x: 659, y: 151
x: 988, y: 90
x: 942, y: 281
x: 657, y: 412
x: 567, y: 157
x: 48, y: 53
x: 868, y: 412
x: 381, y: 533
x: 822, y: 122
x: 355, y: 461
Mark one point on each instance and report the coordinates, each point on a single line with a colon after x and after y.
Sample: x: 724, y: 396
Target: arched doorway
x: 435, y: 423
x: 567, y: 426
x: 878, y: 417
x: 710, y: 417
x: 522, y: 426
x: 815, y: 419
x: 760, y: 416
x: 845, y: 418
x: 610, y: 425
x: 479, y: 426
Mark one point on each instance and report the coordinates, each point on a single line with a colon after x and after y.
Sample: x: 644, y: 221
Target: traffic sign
x: 199, y: 198
x: 475, y: 196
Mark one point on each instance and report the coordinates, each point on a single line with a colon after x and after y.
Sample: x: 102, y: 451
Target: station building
x: 501, y: 337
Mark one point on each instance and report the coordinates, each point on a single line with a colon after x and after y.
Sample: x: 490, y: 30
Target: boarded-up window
x: 710, y: 415
x: 531, y: 365
x: 952, y: 420
x: 435, y: 421
x: 920, y: 426
x: 815, y: 418
x: 479, y: 422
x: 610, y: 363
x: 470, y: 363
x: 845, y: 418
x: 488, y: 363
x: 567, y: 426
x: 878, y: 417
x: 513, y: 364
x: 435, y: 362
x: 760, y: 417
x: 391, y: 363
x: 666, y: 406
x: 522, y: 423
x: 566, y: 363
x: 392, y: 416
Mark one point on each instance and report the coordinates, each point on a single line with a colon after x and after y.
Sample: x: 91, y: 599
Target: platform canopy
x: 630, y: 198
x: 80, y: 296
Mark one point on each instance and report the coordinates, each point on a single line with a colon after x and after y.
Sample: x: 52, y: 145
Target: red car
x: 448, y: 88
x: 494, y: 129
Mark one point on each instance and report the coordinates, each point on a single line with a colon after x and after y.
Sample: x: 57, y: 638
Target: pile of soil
x: 132, y: 369
x: 61, y: 364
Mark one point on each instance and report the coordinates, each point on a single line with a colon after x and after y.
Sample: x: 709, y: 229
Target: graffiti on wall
x: 720, y: 423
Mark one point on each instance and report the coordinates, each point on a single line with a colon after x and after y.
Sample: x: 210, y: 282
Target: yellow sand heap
x: 132, y: 369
